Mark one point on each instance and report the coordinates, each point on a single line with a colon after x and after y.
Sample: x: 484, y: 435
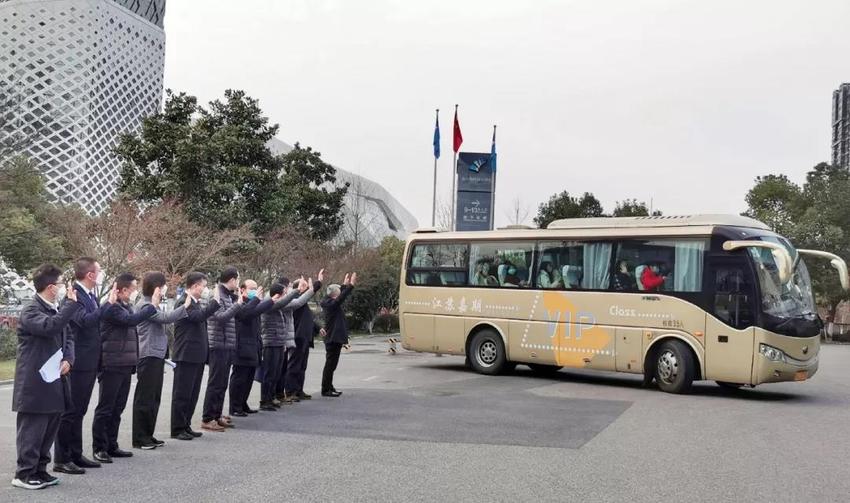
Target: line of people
x: 239, y: 333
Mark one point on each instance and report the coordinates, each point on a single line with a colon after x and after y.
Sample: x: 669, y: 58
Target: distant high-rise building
x: 841, y: 126
x: 74, y: 76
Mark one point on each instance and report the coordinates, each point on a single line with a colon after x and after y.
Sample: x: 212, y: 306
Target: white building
x: 74, y: 75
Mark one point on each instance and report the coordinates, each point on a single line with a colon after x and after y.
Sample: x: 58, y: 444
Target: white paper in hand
x: 52, y: 368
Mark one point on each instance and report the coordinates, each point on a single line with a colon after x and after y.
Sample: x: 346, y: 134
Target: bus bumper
x: 788, y: 369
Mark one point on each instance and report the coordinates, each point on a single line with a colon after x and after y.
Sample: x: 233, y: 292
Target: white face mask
x: 61, y: 292
x: 100, y: 278
x: 205, y: 293
x: 134, y: 296
x: 163, y: 291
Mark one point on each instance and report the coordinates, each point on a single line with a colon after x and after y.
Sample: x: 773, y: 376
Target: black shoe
x: 249, y: 410
x: 159, y: 443
x: 118, y: 453
x: 183, y: 435
x: 196, y: 434
x: 85, y: 462
x: 102, y: 456
x: 239, y: 413
x: 331, y: 394
x: 338, y: 392
x: 145, y: 446
x: 268, y: 407
x: 303, y: 396
x: 47, y: 478
x: 31, y: 482
x: 69, y: 468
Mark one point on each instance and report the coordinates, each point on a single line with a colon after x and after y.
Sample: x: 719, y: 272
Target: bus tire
x: 487, y: 353
x: 544, y: 370
x: 674, y: 367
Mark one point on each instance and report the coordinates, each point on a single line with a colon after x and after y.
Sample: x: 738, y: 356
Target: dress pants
x: 332, y: 351
x: 113, y: 390
x: 302, y: 375
x: 280, y: 387
x: 69, y: 439
x: 220, y: 361
x: 241, y: 381
x: 272, y: 361
x: 36, y: 433
x: 147, y: 398
x: 295, y: 367
x: 184, y: 394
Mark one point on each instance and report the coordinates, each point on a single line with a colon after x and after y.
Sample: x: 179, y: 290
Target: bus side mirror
x: 835, y: 261
x: 780, y: 255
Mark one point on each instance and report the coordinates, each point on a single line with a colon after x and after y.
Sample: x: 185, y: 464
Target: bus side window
x: 732, y: 298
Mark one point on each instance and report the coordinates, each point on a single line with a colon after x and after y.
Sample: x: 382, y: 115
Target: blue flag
x: 437, y: 137
x: 493, y: 152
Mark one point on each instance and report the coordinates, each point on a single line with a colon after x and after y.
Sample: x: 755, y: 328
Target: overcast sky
x: 681, y: 102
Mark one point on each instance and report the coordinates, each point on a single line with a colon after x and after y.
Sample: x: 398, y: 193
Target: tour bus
x: 674, y: 298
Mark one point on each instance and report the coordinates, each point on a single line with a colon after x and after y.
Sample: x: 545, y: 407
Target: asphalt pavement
x: 417, y: 427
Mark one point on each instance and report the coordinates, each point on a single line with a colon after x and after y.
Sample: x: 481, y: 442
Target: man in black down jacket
x: 305, y: 331
x: 119, y: 355
x: 336, y: 331
x: 42, y: 331
x: 248, y: 346
x: 190, y: 353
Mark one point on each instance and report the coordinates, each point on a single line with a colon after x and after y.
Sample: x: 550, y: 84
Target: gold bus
x: 675, y: 298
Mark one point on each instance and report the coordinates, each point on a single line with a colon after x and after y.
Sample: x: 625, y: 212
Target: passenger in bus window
x: 511, y: 278
x: 482, y: 275
x: 623, y: 280
x: 652, y: 277
x: 549, y: 278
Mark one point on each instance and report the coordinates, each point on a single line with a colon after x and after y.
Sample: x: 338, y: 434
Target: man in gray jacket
x: 153, y: 347
x: 222, y: 339
x: 273, y: 335
x: 289, y: 345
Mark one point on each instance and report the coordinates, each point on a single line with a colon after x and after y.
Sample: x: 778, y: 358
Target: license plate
x: 801, y: 375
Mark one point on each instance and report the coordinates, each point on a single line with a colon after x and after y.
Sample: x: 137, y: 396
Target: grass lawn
x: 7, y: 369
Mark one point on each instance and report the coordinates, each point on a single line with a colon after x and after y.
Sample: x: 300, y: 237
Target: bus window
x: 501, y: 265
x: 732, y: 296
x: 438, y: 264
x: 560, y: 265
x: 658, y: 266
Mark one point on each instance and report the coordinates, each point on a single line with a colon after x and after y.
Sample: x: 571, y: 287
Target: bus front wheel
x: 674, y: 367
x: 487, y: 353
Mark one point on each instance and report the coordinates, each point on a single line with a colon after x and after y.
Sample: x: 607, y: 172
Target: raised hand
x: 239, y: 299
x: 347, y: 279
x: 260, y: 292
x: 188, y: 301
x: 353, y: 278
x: 303, y: 286
x: 276, y: 297
x: 217, y: 294
x: 156, y: 298
x: 321, y: 275
x: 71, y: 292
x: 113, y: 295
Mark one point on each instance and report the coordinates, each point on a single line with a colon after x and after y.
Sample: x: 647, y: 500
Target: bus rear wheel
x: 544, y: 370
x: 674, y: 367
x: 487, y: 353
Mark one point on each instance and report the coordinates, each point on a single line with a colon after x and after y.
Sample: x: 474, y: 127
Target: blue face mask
x: 252, y: 294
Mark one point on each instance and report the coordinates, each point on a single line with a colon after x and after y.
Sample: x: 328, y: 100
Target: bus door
x: 729, y: 332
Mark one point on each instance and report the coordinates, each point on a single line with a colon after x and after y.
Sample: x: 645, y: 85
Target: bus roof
x: 657, y: 221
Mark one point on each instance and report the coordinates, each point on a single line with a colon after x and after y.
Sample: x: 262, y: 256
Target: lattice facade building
x: 841, y: 126
x: 74, y: 76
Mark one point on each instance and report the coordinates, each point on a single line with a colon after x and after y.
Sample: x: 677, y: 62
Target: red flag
x: 458, y: 137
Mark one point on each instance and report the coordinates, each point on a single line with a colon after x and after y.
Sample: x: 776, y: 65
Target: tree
x: 633, y: 208
x: 815, y: 216
x: 518, y: 213
x: 216, y: 161
x: 565, y: 206
x: 26, y: 237
x: 378, y: 282
x: 358, y: 220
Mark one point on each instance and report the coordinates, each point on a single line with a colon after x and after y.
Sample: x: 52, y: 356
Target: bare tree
x: 518, y: 212
x: 358, y: 220
x: 444, y: 215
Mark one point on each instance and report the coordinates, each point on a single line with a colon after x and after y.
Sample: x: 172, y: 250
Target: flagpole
x: 434, y: 198
x: 454, y: 175
x: 493, y: 190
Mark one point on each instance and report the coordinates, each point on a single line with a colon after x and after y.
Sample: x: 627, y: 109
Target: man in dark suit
x: 248, y: 346
x: 42, y: 331
x: 305, y: 331
x: 190, y: 353
x: 336, y: 331
x: 119, y: 355
x: 85, y: 327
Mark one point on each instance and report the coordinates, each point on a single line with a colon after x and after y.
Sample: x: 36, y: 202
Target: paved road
x: 416, y: 427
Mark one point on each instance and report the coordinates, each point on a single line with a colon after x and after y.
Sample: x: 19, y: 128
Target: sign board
x: 473, y: 211
x: 474, y: 192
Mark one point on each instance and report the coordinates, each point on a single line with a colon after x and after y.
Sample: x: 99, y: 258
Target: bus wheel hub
x: 668, y: 366
x: 487, y: 353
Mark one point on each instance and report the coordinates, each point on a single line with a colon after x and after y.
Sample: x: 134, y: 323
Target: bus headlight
x: 771, y: 353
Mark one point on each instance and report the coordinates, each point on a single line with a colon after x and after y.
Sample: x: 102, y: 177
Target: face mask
x: 134, y: 296
x: 61, y: 291
x: 163, y: 291
x: 252, y: 294
x: 205, y: 293
x: 100, y: 278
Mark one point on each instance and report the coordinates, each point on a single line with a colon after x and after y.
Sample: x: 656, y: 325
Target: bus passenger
x: 549, y: 278
x: 623, y: 279
x: 651, y: 278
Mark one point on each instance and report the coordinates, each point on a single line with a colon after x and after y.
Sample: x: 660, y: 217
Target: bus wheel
x: 487, y: 353
x: 544, y: 370
x: 674, y: 367
x: 728, y: 385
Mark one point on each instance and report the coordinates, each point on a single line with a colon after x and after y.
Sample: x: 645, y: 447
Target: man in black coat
x: 191, y: 346
x: 40, y: 401
x: 119, y: 355
x: 248, y: 346
x: 305, y: 331
x: 85, y: 327
x: 336, y: 331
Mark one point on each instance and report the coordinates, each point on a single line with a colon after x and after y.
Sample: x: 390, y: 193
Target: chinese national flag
x: 458, y: 137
